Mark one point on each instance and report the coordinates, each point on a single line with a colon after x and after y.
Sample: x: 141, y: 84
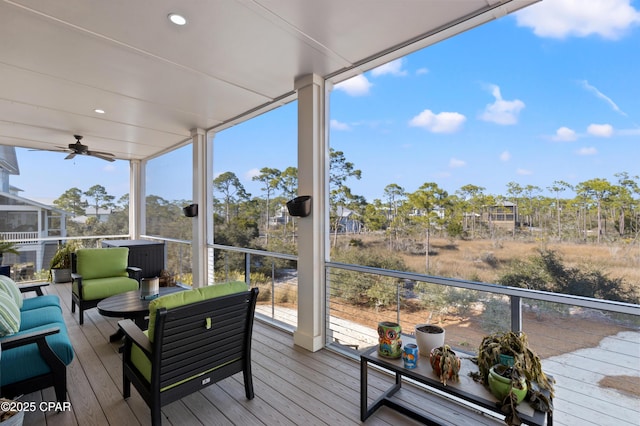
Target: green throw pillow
x: 181, y: 298
x: 11, y: 288
x: 9, y: 315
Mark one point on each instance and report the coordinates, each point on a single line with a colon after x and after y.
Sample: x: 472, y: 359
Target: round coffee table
x: 129, y: 305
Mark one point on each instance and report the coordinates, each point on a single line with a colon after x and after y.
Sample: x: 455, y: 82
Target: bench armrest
x: 133, y: 332
x: 37, y: 287
x: 27, y: 338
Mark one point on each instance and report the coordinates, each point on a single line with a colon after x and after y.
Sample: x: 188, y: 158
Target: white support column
x: 202, y: 196
x: 313, y: 168
x: 137, y: 199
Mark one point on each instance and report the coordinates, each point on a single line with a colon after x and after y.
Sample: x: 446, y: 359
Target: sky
x: 547, y: 94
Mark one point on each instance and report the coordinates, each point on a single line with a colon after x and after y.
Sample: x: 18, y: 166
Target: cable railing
x: 591, y: 347
x: 275, y: 274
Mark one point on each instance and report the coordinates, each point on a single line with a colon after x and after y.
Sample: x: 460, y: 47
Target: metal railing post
x: 273, y: 289
x: 247, y: 268
x: 516, y: 314
x: 398, y: 303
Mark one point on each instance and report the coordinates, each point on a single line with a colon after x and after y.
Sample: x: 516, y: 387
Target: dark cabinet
x: 147, y: 255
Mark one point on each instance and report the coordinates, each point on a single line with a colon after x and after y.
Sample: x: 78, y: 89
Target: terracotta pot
x: 435, y: 359
x: 429, y: 336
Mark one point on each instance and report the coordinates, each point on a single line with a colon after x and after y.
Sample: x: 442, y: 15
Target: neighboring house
x: 349, y: 222
x: 280, y: 217
x: 102, y: 215
x: 438, y: 211
x: 502, y: 216
x: 26, y: 221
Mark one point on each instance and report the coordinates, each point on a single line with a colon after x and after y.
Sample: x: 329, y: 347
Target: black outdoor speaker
x: 300, y: 206
x: 191, y: 210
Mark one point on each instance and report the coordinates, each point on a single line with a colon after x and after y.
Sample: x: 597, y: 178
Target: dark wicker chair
x: 193, y: 346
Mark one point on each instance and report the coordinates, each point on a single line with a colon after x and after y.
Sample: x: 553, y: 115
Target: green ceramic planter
x: 500, y: 385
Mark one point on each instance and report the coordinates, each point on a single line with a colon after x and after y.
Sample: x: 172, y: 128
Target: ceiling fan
x: 78, y: 148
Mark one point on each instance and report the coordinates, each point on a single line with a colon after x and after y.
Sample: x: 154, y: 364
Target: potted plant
x: 508, y: 355
x: 428, y: 336
x: 445, y: 364
x: 7, y: 247
x: 60, y: 265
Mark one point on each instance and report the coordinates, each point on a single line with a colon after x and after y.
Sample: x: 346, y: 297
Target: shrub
x: 366, y: 289
x: 547, y: 272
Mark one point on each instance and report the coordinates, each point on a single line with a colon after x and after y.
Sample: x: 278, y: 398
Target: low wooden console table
x: 467, y: 389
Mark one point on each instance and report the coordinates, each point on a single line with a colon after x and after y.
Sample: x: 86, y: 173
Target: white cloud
x: 455, y: 163
x: 444, y: 122
x: 501, y: 111
x: 338, y: 125
x: 109, y: 168
x: 393, y: 68
x: 565, y: 134
x: 524, y: 172
x: 250, y: 174
x: 587, y: 151
x: 610, y: 19
x: 421, y: 71
x: 505, y: 156
x: 629, y: 132
x: 601, y: 130
x: 355, y: 86
x: 602, y: 96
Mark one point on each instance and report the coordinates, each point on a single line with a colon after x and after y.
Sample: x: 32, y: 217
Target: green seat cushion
x: 143, y: 364
x: 29, y: 303
x: 25, y: 361
x: 100, y: 288
x: 9, y: 315
x: 141, y: 361
x: 33, y: 318
x: 10, y: 287
x: 102, y: 262
x: 181, y: 298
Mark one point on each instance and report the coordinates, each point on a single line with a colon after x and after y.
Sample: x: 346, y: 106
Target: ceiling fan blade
x: 58, y: 149
x: 100, y: 156
x: 106, y: 154
x: 70, y: 156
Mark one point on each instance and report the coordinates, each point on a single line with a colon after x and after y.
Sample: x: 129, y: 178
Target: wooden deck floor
x: 292, y: 387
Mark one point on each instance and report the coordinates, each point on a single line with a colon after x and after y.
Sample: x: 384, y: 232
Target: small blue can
x: 410, y: 355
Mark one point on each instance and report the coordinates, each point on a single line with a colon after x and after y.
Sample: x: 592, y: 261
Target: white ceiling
x: 60, y: 60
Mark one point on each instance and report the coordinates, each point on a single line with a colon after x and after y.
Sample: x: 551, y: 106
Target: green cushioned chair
x: 195, y: 339
x: 98, y: 273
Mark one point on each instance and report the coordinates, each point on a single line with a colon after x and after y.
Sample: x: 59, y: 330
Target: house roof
x: 60, y: 60
x: 15, y: 200
x: 8, y: 160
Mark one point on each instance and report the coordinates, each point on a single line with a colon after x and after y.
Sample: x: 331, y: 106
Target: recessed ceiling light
x: 99, y: 111
x: 177, y: 19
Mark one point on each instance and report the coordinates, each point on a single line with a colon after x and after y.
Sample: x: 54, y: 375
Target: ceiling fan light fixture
x: 177, y: 19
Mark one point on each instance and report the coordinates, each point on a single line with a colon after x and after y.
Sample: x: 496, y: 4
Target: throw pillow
x: 9, y: 315
x: 11, y: 288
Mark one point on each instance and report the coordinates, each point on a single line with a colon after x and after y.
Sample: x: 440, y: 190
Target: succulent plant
x: 445, y: 364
